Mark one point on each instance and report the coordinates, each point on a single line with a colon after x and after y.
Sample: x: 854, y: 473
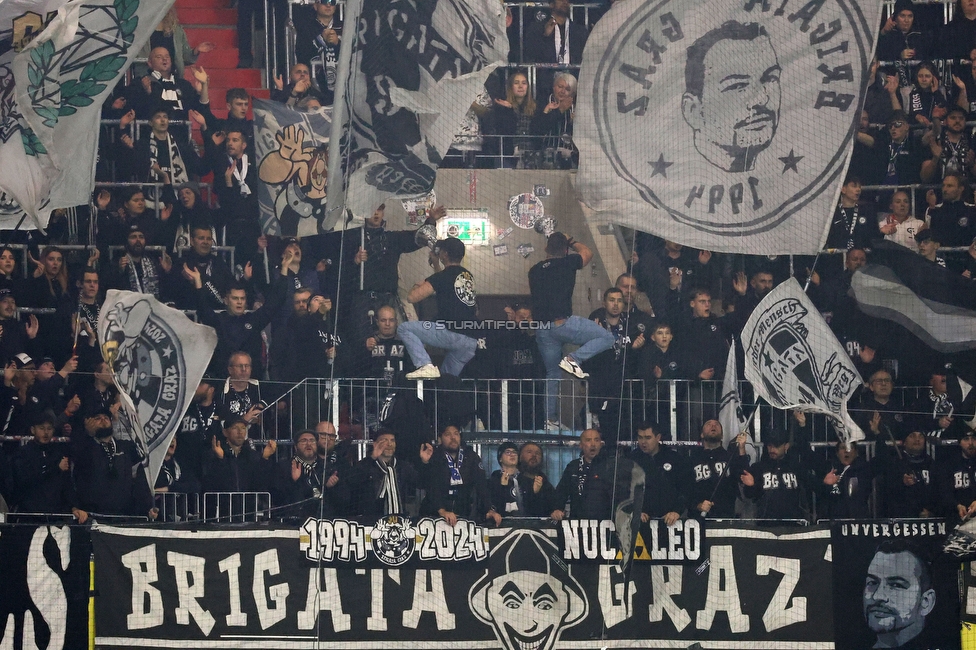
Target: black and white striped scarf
x: 176, y: 169
x: 389, y: 491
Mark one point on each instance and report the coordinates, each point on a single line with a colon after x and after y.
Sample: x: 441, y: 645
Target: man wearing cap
x: 845, y: 490
x: 900, y: 38
x: 17, y: 336
x: 235, y: 464
x: 108, y: 474
x: 929, y: 245
x: 383, y: 481
x: 375, y: 252
x: 138, y: 270
x: 507, y: 487
x: 456, y: 484
x: 955, y: 474
x: 42, y: 472
x: 453, y: 286
x: 777, y: 483
x: 552, y: 282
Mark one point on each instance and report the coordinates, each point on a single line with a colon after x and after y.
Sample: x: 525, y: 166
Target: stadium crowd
x: 672, y: 316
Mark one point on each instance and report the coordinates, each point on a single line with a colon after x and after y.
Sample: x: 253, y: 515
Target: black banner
x: 44, y: 587
x: 893, y: 586
x: 247, y: 587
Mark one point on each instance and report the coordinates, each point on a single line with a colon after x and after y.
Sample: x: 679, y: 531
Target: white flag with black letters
x: 724, y: 125
x: 158, y: 357
x: 794, y: 361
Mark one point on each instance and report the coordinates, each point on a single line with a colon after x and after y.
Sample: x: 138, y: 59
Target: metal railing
x: 236, y: 507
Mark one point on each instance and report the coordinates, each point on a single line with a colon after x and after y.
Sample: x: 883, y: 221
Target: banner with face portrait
x: 893, y: 586
x: 292, y: 149
x: 723, y: 125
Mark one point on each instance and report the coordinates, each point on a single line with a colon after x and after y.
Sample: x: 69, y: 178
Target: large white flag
x: 794, y: 361
x: 406, y: 78
x: 158, y: 357
x: 724, y: 125
x: 59, y: 69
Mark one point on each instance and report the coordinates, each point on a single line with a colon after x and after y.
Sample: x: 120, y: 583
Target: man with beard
x: 140, y: 271
x: 956, y: 479
x: 299, y: 480
x: 732, y: 109
x: 898, y: 595
x: 383, y: 481
x: 713, y: 474
x: 910, y: 489
x: 953, y: 222
x: 237, y: 329
x: 457, y: 488
x: 591, y: 484
x: 215, y: 275
x: 108, y: 474
x: 388, y: 359
x: 539, y: 501
x: 42, y: 472
x: 747, y: 298
x: 777, y: 482
x: 376, y: 251
x: 846, y: 488
x: 951, y: 149
x: 334, y: 457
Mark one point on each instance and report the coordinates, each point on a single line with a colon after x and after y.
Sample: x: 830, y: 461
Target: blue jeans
x: 460, y: 348
x: 593, y: 340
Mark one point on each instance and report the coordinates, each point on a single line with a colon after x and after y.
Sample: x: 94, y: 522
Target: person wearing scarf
x: 164, y: 157
x: 457, y: 488
x: 299, y: 480
x: 382, y: 481
x: 137, y: 271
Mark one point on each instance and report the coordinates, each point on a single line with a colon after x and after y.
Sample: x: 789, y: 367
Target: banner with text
x: 538, y: 586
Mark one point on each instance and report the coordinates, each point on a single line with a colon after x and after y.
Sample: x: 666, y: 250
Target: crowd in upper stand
x: 672, y: 316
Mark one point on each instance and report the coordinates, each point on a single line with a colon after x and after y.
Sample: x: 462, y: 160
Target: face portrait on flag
x: 734, y: 118
x: 732, y: 108
x: 527, y: 598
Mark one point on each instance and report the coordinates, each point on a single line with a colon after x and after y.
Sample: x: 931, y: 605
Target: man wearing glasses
x: 241, y: 394
x: 879, y: 413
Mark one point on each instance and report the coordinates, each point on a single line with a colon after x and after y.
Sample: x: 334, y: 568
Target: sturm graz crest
x: 394, y: 540
x: 143, y: 352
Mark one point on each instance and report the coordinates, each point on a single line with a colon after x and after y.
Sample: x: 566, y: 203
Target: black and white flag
x: 730, y: 413
x: 724, y: 125
x: 158, y: 357
x: 794, y: 361
x: 292, y: 149
x: 407, y: 76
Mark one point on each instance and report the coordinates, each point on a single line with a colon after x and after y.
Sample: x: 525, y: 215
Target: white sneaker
x: 555, y: 426
x: 569, y: 365
x: 429, y: 371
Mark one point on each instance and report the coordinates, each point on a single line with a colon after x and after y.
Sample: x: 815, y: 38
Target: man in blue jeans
x: 454, y: 287
x: 552, y: 282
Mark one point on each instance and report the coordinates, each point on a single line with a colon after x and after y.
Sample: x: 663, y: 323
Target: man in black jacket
x: 42, y: 473
x: 777, y: 482
x: 664, y: 468
x: 109, y: 477
x: 456, y: 487
x: 713, y: 473
x: 382, y: 481
x: 592, y: 483
x: 237, y: 330
x: 956, y: 478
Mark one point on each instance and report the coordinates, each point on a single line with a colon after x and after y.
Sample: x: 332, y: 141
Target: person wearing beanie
x: 42, y: 472
x: 506, y: 486
x: 299, y: 480
x: 383, y: 481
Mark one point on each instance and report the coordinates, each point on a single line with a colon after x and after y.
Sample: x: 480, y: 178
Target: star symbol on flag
x: 790, y: 161
x: 660, y: 167
x: 768, y: 360
x: 167, y: 351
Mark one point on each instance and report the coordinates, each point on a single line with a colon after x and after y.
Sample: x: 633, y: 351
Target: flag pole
x: 733, y: 452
